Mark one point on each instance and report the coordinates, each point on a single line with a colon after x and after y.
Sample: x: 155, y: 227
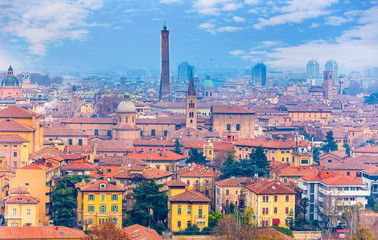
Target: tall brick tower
x: 328, y: 84
x: 165, y: 92
x: 191, y: 105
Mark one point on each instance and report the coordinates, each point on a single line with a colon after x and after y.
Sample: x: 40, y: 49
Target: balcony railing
x: 6, y: 216
x: 200, y: 218
x: 336, y: 192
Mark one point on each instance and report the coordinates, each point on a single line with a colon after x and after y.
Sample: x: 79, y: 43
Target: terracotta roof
x: 79, y: 166
x: 230, y: 109
x: 11, y: 125
x: 176, y: 183
x: 32, y: 166
x: 331, y: 178
x: 163, y: 156
x: 154, y: 142
x: 42, y: 232
x: 78, y: 149
x: 114, y: 146
x: 339, y: 154
x: 189, y: 196
x: 69, y: 132
x: 161, y: 120
x: 269, y: 186
x: 367, y: 149
x: 196, y: 170
x: 119, y: 161
x: 21, y: 198
x: 234, y: 182
x: 17, y: 112
x: 138, y: 232
x: 371, y: 171
x: 148, y: 173
x: 91, y: 120
x: 12, y: 139
x: 297, y: 171
x: 95, y: 187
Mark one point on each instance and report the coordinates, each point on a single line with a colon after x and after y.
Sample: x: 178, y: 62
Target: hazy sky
x: 107, y: 35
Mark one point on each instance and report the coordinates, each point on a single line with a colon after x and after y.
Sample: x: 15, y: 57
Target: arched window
x: 228, y: 127
x: 285, y: 180
x: 237, y: 127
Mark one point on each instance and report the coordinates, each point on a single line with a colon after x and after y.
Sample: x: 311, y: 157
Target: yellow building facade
x: 271, y: 202
x: 99, y: 202
x: 186, y: 207
x: 21, y: 211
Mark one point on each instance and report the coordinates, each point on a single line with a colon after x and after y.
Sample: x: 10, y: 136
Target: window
x: 27, y: 211
x: 179, y: 210
x: 102, y: 185
x: 286, y: 210
x: 283, y: 159
x: 178, y: 224
x: 14, y: 212
x: 275, y: 198
x: 102, y: 209
x: 108, y: 170
x: 90, y: 221
x: 358, y: 174
x: 287, y: 198
x: 80, y: 141
x: 102, y: 197
x: 91, y: 197
x: 165, y: 133
x: 114, y: 197
x: 109, y: 133
x: 200, y: 211
x: 96, y: 132
x: 153, y: 132
x: 275, y: 210
x: 348, y: 173
x: 227, y: 192
x: 90, y: 208
x: 285, y: 180
x: 69, y: 141
x: 189, y: 210
x: 295, y: 180
x: 304, y: 161
x: 265, y: 198
x: 189, y: 223
x: 188, y: 182
x: 265, y: 211
x: 228, y: 127
x: 237, y: 127
x: 114, y: 208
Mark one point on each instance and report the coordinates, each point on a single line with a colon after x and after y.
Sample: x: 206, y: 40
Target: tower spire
x: 191, y: 88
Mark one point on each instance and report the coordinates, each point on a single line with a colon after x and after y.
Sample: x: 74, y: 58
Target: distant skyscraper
x: 312, y: 69
x: 165, y: 91
x: 259, y: 75
x: 332, y: 66
x: 184, y: 72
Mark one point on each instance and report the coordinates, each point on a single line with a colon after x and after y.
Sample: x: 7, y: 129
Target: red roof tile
x: 11, y: 125
x: 190, y: 196
x: 66, y: 132
x: 163, y: 156
x: 277, y: 144
x: 176, y: 183
x: 138, y: 232
x: 91, y: 120
x: 367, y: 149
x: 234, y: 182
x: 12, y: 139
x: 196, y: 170
x: 331, y: 178
x: 79, y: 166
x: 95, y: 187
x: 268, y: 187
x: 230, y: 109
x: 42, y: 232
x: 22, y: 199
x: 17, y: 112
x: 147, y: 173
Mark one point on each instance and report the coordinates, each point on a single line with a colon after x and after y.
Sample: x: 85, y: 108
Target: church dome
x: 208, y: 83
x: 126, y: 105
x: 10, y: 80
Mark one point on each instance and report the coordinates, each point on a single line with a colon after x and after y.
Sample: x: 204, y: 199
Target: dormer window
x: 102, y: 185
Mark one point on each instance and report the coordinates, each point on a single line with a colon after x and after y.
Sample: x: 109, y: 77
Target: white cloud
x: 215, y: 7
x: 252, y: 2
x: 206, y: 26
x: 335, y: 20
x: 314, y: 25
x: 238, y: 19
x: 228, y: 29
x: 353, y: 49
x: 237, y: 52
x: 170, y: 1
x: 231, y: 6
x: 42, y: 23
x: 296, y: 11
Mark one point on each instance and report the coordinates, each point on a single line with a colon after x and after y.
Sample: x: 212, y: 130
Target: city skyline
x: 113, y: 36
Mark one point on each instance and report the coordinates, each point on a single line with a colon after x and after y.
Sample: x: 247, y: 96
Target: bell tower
x: 191, y: 105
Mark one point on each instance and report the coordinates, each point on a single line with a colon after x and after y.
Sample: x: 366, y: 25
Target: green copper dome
x: 208, y: 83
x: 10, y: 81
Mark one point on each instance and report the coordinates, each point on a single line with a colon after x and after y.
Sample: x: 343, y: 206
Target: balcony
x: 201, y: 218
x: 336, y: 192
x: 302, y: 186
x: 6, y: 216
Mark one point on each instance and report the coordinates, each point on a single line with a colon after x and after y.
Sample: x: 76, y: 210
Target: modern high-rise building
x: 259, y: 75
x: 331, y: 65
x: 184, y: 72
x: 312, y: 69
x: 165, y: 92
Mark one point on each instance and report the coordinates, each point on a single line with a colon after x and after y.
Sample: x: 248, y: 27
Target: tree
x: 304, y: 204
x: 316, y: 153
x: 331, y: 144
x: 63, y: 203
x: 362, y: 233
x: 243, y: 168
x: 351, y: 216
x: 177, y: 147
x: 290, y: 219
x: 260, y: 161
x: 107, y: 231
x: 248, y: 217
x: 347, y: 149
x: 151, y: 206
x: 214, y: 217
x: 196, y: 157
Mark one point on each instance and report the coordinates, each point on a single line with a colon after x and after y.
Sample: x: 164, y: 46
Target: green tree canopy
x: 151, y: 206
x: 196, y: 157
x: 260, y: 161
x: 178, y: 147
x: 331, y: 144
